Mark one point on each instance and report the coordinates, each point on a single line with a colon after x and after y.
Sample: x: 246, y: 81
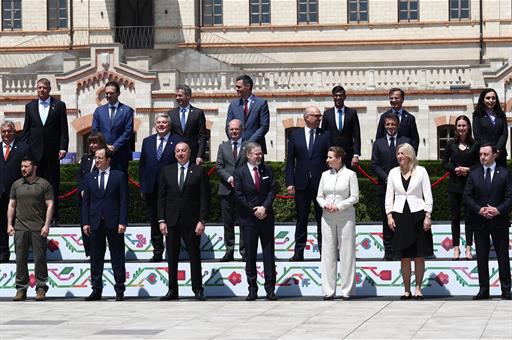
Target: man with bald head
x: 230, y: 155
x: 305, y: 162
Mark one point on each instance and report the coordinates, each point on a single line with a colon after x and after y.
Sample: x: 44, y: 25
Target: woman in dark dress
x: 96, y: 141
x: 459, y: 156
x: 408, y: 208
x: 490, y: 124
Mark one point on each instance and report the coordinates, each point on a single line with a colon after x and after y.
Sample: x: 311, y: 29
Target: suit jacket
x: 453, y: 157
x: 85, y: 168
x: 485, y: 132
x: 383, y: 161
x: 350, y: 136
x: 226, y: 165
x: 118, y: 133
x: 50, y: 138
x: 195, y: 134
x: 149, y: 166
x: 112, y: 205
x: 258, y: 120
x: 301, y: 168
x: 192, y: 204
x: 246, y: 196
x: 11, y: 168
x: 476, y: 196
x: 407, y: 128
x: 418, y: 194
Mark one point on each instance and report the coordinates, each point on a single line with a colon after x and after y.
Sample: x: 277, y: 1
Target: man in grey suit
x: 230, y: 155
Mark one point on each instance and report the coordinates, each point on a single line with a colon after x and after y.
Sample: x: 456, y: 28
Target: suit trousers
x: 86, y: 240
x: 387, y: 233
x: 303, y: 199
x: 157, y: 239
x: 49, y: 168
x: 456, y: 201
x: 263, y: 231
x: 117, y: 256
x: 500, y: 240
x: 229, y: 218
x: 25, y: 239
x: 338, y: 231
x: 192, y: 242
x: 4, y: 237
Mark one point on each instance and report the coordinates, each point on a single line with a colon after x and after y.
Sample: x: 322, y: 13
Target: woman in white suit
x: 338, y: 191
x: 408, y: 209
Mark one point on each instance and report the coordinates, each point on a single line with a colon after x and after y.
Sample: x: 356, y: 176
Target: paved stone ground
x: 291, y: 318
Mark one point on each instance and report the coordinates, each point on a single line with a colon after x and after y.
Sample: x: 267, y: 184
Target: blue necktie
x: 102, y: 182
x: 340, y: 117
x: 112, y: 112
x: 160, y: 149
x: 183, y: 119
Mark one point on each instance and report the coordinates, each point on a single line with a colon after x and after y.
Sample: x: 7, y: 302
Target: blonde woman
x: 408, y: 208
x: 338, y: 191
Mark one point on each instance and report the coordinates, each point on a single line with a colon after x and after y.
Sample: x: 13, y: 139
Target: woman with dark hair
x: 338, y: 191
x: 490, y: 124
x: 95, y: 141
x: 459, y: 156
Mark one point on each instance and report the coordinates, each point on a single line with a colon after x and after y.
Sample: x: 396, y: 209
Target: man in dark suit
x: 252, y: 111
x: 104, y: 218
x: 343, y: 124
x: 45, y: 130
x: 407, y: 127
x: 255, y: 190
x: 183, y: 204
x: 383, y: 160
x: 189, y: 123
x: 231, y: 154
x: 488, y: 197
x: 115, y: 121
x: 157, y: 151
x: 305, y: 162
x: 12, y: 153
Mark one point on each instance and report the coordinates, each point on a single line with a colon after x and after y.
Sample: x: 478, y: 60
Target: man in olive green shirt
x: 29, y: 216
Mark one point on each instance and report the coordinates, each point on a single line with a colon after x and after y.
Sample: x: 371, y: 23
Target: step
x: 65, y: 243
x: 144, y: 279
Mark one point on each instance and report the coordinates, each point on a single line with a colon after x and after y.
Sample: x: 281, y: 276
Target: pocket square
x: 265, y: 177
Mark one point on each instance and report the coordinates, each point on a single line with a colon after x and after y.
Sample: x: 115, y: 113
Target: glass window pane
x: 413, y: 5
x: 313, y: 17
x: 352, y: 7
x: 464, y: 14
x: 454, y: 14
x: 363, y: 16
x: 265, y: 8
x: 403, y: 5
x: 265, y: 19
x: 363, y: 6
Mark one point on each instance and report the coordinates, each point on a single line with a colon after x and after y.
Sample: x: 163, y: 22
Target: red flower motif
x: 442, y: 279
x: 141, y: 241
x: 32, y: 280
x: 151, y: 278
x: 53, y: 245
x: 235, y: 278
x: 366, y: 243
x: 181, y: 275
x: 447, y: 243
x: 359, y: 278
x: 385, y: 275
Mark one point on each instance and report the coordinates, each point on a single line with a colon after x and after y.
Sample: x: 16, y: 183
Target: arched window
x: 445, y: 133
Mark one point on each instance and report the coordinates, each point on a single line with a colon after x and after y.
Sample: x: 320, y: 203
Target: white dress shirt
x: 44, y: 108
x: 251, y: 171
x: 107, y: 173
x: 186, y: 165
x: 493, y: 168
x: 306, y: 131
x: 166, y: 138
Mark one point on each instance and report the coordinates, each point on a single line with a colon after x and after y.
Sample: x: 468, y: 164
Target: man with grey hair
x: 12, y: 152
x: 157, y: 151
x: 305, y: 162
x: 189, y: 123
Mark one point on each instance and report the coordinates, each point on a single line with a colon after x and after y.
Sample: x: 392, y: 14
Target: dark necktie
x: 311, y: 141
x: 487, y: 179
x: 160, y: 149
x: 112, y: 112
x: 340, y: 118
x: 392, y: 146
x: 235, y: 151
x: 256, y: 178
x: 182, y: 178
x: 246, y: 108
x: 102, y: 182
x: 183, y: 119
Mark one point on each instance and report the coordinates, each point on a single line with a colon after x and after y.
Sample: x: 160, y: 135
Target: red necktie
x: 7, y: 151
x: 235, y: 151
x: 246, y: 108
x: 256, y: 178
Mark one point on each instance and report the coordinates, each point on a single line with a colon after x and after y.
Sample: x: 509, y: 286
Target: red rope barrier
x: 373, y: 180
x: 68, y: 194
x: 133, y: 182
x: 446, y: 174
x: 212, y: 170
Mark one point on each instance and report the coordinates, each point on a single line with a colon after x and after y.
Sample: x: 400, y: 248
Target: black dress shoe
x: 119, y: 297
x: 169, y: 296
x: 95, y: 296
x: 244, y: 258
x: 345, y: 298
x: 328, y: 297
x: 481, y: 296
x: 156, y: 258
x: 296, y: 258
x: 406, y: 296
x: 419, y: 297
x: 4, y: 259
x: 271, y: 296
x: 253, y: 295
x: 506, y: 296
x: 227, y: 258
x: 199, y: 296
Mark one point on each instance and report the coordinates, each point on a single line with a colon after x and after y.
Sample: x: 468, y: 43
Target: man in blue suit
x: 115, y: 121
x: 157, y: 151
x: 305, y: 162
x: 105, y: 217
x: 252, y: 111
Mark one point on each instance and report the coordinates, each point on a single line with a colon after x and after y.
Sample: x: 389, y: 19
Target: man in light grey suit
x: 231, y: 154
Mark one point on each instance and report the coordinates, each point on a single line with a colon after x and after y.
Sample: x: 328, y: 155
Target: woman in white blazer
x: 338, y: 191
x: 408, y: 208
